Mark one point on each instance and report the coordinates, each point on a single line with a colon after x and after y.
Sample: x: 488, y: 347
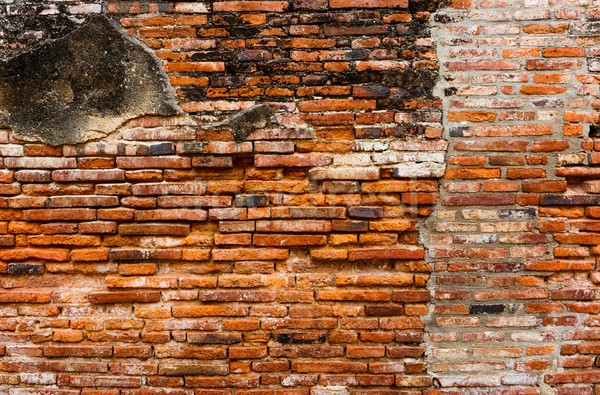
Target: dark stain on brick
x: 387, y: 310
x: 251, y: 201
x: 458, y: 131
x: 486, y: 309
x: 424, y: 5
x: 594, y: 131
x: 365, y: 212
x: 299, y: 338
x: 416, y: 82
x: 24, y: 268
x: 574, y: 200
x: 215, y: 338
x: 156, y: 149
x: 518, y: 213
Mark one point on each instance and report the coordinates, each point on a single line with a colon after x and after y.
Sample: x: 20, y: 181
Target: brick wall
x: 513, y: 243
x: 340, y: 250
x: 168, y: 258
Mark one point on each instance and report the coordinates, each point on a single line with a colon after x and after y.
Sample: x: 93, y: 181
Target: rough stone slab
x: 83, y: 86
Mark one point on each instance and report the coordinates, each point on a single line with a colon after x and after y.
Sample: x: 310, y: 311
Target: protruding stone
x: 247, y: 121
x: 83, y: 86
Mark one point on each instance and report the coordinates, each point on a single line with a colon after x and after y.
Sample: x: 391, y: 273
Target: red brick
x: 369, y: 4
x: 88, y: 175
x: 124, y: 297
x: 365, y: 295
x: 563, y: 52
x: 472, y: 173
x: 336, y: 105
x: 209, y: 311
x: 542, y: 90
x: 309, y: 160
x: 60, y: 214
x: 78, y: 351
x: 154, y: 229
x: 288, y: 240
x: 329, y: 367
x: 386, y: 253
x: 525, y: 173
x: 26, y: 253
x: 156, y: 162
x: 499, y: 145
x: 471, y: 116
x: 249, y: 6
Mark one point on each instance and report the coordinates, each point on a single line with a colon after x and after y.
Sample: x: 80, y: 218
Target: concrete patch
x: 83, y: 86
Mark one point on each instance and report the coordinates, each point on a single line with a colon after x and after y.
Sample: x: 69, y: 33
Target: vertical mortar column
x: 510, y: 303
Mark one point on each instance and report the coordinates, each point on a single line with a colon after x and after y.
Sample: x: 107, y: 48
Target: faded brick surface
x: 514, y: 241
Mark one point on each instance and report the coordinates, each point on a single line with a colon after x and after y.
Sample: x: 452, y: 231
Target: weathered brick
x: 250, y: 254
x: 209, y: 311
x: 154, y: 229
x: 60, y: 214
x: 124, y: 297
x: 369, y: 4
x: 295, y: 226
x: 156, y: 162
x: 40, y: 163
x: 78, y: 351
x: 309, y: 245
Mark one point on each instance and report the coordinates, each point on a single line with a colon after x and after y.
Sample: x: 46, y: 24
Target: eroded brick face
x: 513, y: 244
x: 389, y: 232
